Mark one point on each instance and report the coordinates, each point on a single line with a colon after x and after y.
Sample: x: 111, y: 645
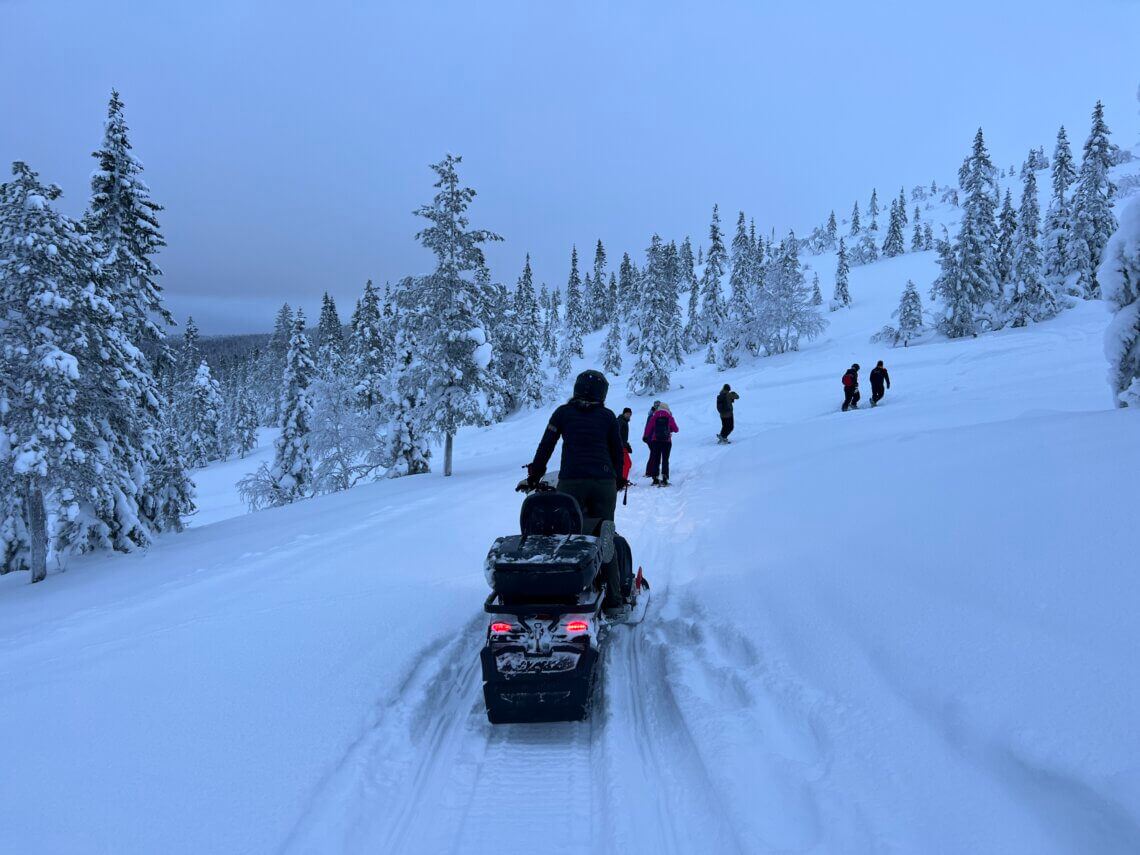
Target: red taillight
x: 577, y: 626
x: 500, y: 628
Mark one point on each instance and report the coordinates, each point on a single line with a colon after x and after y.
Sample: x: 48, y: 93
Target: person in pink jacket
x: 659, y: 432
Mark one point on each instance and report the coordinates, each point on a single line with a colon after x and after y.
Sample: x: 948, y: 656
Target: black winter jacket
x: 623, y: 432
x: 591, y: 441
x: 878, y: 376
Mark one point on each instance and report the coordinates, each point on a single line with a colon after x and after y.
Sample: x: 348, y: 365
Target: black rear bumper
x: 533, y: 696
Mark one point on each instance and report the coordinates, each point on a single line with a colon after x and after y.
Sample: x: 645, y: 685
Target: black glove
x: 622, y: 483
x: 534, y: 473
x: 629, y: 448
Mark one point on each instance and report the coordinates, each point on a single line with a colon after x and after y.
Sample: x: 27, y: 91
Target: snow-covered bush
x: 1119, y: 278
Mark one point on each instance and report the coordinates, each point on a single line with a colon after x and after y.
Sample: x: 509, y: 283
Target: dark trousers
x: 726, y: 425
x: 850, y: 396
x: 877, y: 393
x: 659, y: 458
x: 597, y: 497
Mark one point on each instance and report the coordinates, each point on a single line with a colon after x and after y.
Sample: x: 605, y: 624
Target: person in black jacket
x: 851, y: 388
x: 724, y: 403
x: 879, y: 376
x: 591, y: 469
x: 623, y: 429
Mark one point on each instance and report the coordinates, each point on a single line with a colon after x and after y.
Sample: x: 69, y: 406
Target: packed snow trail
x: 907, y: 629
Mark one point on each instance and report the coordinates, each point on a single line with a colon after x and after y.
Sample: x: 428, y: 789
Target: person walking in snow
x: 645, y: 437
x: 851, y: 388
x: 879, y: 376
x: 659, y: 432
x: 627, y: 449
x: 591, y: 466
x: 724, y: 406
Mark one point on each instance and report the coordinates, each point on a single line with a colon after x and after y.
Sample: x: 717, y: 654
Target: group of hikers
x: 597, y: 455
x: 879, y: 379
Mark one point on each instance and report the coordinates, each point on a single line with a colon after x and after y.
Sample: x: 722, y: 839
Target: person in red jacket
x: 659, y: 432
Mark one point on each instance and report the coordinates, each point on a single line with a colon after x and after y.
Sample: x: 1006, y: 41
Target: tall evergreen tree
x: 816, y: 294
x: 558, y: 341
x: 692, y: 285
x: 873, y: 211
x: 787, y: 314
x: 291, y: 475
x: 245, y: 424
x: 611, y: 350
x: 455, y: 344
x: 1056, y: 232
x: 856, y: 226
x: 902, y: 210
x: 203, y: 443
x: 330, y: 335
x: 528, y: 378
x: 575, y: 322
x: 626, y: 289
x: 916, y: 241
x: 409, y: 451
x: 651, y: 370
x: 893, y: 243
x: 1092, y: 220
x: 712, y: 302
x: 842, y: 296
x: 909, y: 313
x: 548, y: 326
x: 832, y: 231
x: 971, y: 281
x: 1029, y: 298
x: 1007, y: 226
x: 1119, y: 278
x: 600, y: 305
x: 369, y: 363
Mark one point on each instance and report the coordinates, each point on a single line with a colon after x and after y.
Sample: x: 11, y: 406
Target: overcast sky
x: 290, y: 141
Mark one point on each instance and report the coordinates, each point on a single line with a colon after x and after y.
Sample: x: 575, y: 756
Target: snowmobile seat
x: 550, y: 513
x: 537, y: 566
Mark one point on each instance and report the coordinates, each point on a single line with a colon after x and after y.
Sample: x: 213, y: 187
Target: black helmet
x: 855, y: 366
x: 591, y: 386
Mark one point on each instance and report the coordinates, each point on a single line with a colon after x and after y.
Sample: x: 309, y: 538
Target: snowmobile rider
x: 851, y: 388
x: 879, y: 376
x: 623, y: 429
x: 659, y: 432
x: 591, y: 466
x: 724, y: 406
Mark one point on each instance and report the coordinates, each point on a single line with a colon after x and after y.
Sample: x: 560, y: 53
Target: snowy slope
x: 909, y: 629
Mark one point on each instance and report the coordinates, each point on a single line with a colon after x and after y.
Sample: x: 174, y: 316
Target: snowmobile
x: 546, y: 625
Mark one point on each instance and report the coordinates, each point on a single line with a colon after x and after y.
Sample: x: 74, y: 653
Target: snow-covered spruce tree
x: 674, y: 329
x: 456, y: 349
x: 893, y: 244
x: 712, y: 301
x: 557, y: 340
x: 1003, y: 250
x: 873, y: 211
x: 1056, y: 231
x: 409, y: 449
x: 245, y: 425
x: 916, y: 241
x: 927, y: 237
x: 527, y: 378
x: 547, y: 335
x: 368, y: 363
x: 203, y: 444
x: 611, y: 350
x: 654, y: 361
x: 971, y: 282
x: 909, y: 314
x: 1119, y: 278
x: 330, y: 335
x: 291, y: 476
x: 599, y: 303
x: 786, y: 314
x: 574, y: 326
x: 902, y: 210
x: 627, y: 275
x: 44, y: 265
x: 740, y: 312
x: 842, y: 296
x: 1092, y: 221
x: 816, y: 294
x: 856, y: 226
x: 173, y: 491
x: 832, y: 231
x: 1028, y: 297
x: 742, y: 274
x: 690, y: 284
x: 122, y: 221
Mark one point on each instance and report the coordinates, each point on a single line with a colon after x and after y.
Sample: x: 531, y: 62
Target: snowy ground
x: 908, y: 629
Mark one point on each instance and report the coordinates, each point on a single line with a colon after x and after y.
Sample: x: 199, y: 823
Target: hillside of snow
x: 907, y: 629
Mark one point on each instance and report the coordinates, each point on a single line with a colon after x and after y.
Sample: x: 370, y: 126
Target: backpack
x: 848, y: 379
x: 721, y: 402
x: 661, y: 428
